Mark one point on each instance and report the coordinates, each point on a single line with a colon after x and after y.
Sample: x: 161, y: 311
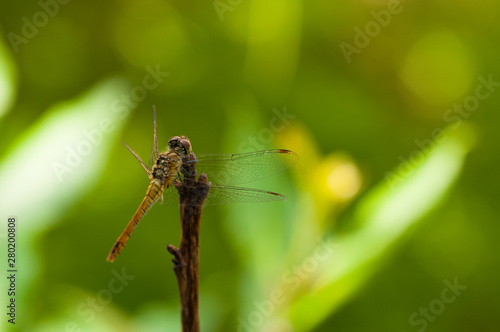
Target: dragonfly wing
x: 219, y: 195
x: 171, y: 196
x: 226, y: 169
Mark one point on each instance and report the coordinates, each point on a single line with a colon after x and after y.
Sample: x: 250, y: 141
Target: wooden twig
x: 192, y: 196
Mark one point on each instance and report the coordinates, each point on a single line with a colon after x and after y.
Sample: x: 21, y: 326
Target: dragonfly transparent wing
x: 228, y: 169
x: 219, y: 195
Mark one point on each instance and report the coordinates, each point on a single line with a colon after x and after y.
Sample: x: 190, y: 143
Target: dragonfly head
x: 181, y: 144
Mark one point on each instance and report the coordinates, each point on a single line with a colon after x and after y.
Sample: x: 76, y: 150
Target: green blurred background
x: 393, y: 200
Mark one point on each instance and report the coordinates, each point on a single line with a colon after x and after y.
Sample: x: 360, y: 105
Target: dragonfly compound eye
x: 180, y: 144
x: 174, y: 142
x: 186, y: 145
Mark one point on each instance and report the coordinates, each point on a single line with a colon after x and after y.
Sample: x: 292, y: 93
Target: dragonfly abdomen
x: 155, y: 190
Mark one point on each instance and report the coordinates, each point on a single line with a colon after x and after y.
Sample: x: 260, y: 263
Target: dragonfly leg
x: 180, y: 178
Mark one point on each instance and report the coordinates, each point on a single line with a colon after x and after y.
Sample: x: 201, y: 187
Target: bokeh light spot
x: 438, y: 69
x: 344, y: 181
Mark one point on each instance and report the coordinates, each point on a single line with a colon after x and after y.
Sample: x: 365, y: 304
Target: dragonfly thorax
x: 166, y: 166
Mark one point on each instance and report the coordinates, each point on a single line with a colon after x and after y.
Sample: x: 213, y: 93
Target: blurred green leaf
x: 383, y: 216
x: 55, y: 162
x: 8, y: 80
x: 61, y: 155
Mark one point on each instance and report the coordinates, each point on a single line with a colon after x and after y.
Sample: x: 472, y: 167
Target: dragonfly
x: 222, y: 170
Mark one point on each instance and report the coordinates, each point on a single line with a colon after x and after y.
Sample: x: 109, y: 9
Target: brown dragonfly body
x: 162, y: 176
x: 223, y: 170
